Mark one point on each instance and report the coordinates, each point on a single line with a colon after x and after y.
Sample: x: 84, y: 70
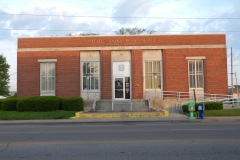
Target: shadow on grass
x: 14, y: 115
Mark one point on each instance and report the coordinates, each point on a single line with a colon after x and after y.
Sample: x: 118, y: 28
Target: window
x: 152, y: 74
x: 90, y: 75
x: 195, y: 71
x: 47, y: 79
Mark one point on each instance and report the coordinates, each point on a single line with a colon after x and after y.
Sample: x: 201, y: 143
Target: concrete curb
x: 104, y: 121
x: 173, y: 118
x: 93, y: 121
x: 220, y: 119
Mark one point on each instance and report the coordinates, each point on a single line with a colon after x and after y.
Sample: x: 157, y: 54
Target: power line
x: 58, y: 30
x: 120, y: 17
x: 67, y: 30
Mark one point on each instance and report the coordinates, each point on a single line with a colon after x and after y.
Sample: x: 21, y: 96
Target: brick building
x: 121, y: 67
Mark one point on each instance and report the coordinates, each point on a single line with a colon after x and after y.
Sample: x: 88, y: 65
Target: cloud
x: 131, y: 8
x: 5, y: 34
x: 162, y: 26
x: 233, y: 37
x: 55, y: 25
x: 121, y: 8
x: 4, y: 23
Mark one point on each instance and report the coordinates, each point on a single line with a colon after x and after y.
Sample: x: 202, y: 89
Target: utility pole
x: 236, y: 83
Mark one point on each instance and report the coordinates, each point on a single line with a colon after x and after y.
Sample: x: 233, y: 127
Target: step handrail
x: 94, y: 103
x: 112, y: 104
x: 149, y: 101
x: 131, y: 105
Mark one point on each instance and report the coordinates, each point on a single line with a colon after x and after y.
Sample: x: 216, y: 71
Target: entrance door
x: 122, y: 87
x: 119, y: 88
x: 121, y: 80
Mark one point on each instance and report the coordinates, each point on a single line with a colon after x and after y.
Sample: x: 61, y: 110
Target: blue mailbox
x: 201, y: 109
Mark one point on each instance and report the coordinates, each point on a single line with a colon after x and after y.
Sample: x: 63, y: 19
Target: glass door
x: 119, y: 88
x: 127, y: 88
x: 122, y: 88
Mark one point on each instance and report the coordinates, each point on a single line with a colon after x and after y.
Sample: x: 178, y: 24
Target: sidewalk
x: 173, y: 118
x: 220, y: 119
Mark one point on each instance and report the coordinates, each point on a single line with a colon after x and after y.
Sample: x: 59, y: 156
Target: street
x: 118, y: 141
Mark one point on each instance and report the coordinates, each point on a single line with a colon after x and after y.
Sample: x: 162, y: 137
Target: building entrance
x: 121, y: 81
x: 122, y: 88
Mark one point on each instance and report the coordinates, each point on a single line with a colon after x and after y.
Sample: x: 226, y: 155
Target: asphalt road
x: 121, y: 141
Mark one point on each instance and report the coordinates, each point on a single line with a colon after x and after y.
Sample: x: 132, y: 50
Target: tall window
x: 195, y: 71
x: 152, y: 74
x: 90, y: 75
x: 47, y: 78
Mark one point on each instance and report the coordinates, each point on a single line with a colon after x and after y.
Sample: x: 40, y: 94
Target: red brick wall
x: 216, y: 81
x: 175, y: 66
x: 137, y: 76
x: 106, y: 74
x: 98, y: 41
x: 67, y: 73
x: 28, y: 74
x: 175, y: 69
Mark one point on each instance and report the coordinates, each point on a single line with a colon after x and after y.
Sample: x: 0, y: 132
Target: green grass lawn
x: 14, y: 115
x: 225, y: 112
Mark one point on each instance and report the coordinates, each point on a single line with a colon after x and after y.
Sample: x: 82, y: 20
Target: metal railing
x: 187, y: 96
x: 112, y: 104
x: 184, y: 97
x: 131, y: 105
x: 148, y: 101
x: 178, y: 107
x: 94, y: 103
x: 233, y: 102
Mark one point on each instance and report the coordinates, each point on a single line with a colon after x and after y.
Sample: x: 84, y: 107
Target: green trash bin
x: 191, y: 110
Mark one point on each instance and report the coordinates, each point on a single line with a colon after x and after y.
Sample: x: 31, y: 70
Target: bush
x: 185, y: 108
x: 1, y: 100
x: 213, y: 105
x: 43, y: 103
x: 47, y: 103
x: 72, y: 104
x: 26, y: 104
x: 9, y: 104
x: 208, y: 106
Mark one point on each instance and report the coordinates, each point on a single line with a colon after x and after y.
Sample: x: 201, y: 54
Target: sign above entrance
x: 121, y: 69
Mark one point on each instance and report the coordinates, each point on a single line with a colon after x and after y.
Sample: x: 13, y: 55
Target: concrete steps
x: 121, y: 106
x: 140, y: 106
x: 104, y: 106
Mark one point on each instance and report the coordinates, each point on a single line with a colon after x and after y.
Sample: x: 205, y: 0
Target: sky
x: 38, y: 18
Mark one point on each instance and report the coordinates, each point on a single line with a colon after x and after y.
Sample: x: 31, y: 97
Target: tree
x: 134, y: 31
x: 4, y: 76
